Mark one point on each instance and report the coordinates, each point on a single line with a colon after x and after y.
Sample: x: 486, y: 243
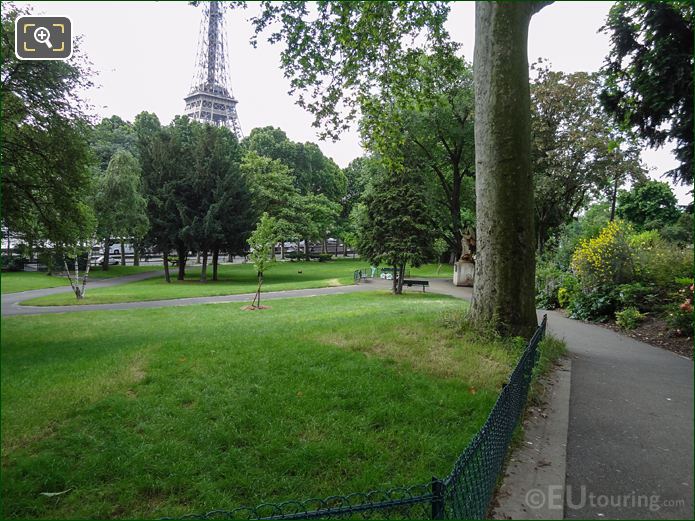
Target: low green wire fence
x: 464, y: 494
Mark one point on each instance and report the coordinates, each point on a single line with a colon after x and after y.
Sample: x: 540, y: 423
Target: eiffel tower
x: 210, y: 99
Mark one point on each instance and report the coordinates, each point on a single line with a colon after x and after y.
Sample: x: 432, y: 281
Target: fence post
x: 437, y: 499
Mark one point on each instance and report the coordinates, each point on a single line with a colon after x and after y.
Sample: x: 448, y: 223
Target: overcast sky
x: 144, y: 53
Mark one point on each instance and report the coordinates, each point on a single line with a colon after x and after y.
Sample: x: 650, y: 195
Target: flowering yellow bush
x: 606, y: 259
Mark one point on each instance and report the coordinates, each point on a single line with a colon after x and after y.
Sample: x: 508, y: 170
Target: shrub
x: 679, y: 315
x: 550, y: 280
x: 13, y: 263
x: 638, y: 295
x: 564, y: 297
x: 596, y: 304
x: 324, y: 257
x: 605, y: 260
x: 628, y: 318
x: 680, y: 319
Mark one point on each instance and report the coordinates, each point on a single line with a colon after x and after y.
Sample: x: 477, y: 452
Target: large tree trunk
x: 122, y: 252
x: 401, y: 276
x: 306, y: 249
x: 215, y: 262
x: 503, y: 293
x: 204, y: 267
x: 394, y: 280
x: 167, y: 275
x: 107, y: 251
x: 182, y: 253
x: 136, y: 253
x: 345, y: 253
x: 282, y: 250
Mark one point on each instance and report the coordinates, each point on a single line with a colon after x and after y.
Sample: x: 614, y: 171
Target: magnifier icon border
x: 47, y: 40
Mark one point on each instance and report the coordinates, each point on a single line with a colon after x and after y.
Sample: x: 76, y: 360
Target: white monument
x: 464, y: 268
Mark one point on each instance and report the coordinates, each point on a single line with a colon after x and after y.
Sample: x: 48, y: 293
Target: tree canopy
x: 649, y: 75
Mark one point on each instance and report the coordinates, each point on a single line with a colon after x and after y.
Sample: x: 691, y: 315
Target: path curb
x: 534, y: 482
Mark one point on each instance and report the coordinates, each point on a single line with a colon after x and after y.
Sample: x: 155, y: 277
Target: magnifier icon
x: 42, y: 35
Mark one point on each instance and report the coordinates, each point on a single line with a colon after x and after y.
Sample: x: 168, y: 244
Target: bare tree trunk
x: 394, y: 281
x: 257, y: 297
x: 122, y: 252
x: 136, y: 254
x: 167, y: 275
x: 503, y: 293
x: 324, y: 246
x: 306, y: 249
x: 282, y: 250
x: 345, y: 253
x: 614, y: 197
x: 215, y: 262
x: 204, y: 267
x: 107, y: 253
x: 401, y: 274
x: 182, y: 253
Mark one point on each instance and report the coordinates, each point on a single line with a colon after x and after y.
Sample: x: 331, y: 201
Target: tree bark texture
x: 504, y: 289
x: 122, y: 252
x: 167, y: 275
x: 204, y: 267
x: 182, y: 253
x: 107, y: 251
x: 215, y: 262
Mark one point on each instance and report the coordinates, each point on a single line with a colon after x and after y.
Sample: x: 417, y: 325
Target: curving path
x: 630, y: 439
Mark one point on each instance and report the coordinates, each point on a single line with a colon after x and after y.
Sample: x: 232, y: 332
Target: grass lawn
x: 12, y: 282
x: 156, y: 412
x: 234, y: 279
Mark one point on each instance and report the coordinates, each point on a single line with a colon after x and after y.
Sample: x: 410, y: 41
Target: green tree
x: 262, y: 242
x: 395, y: 224
x: 504, y: 289
x: 648, y: 75
x: 650, y: 205
x: 119, y: 203
x: 216, y: 193
x: 578, y: 155
x: 433, y: 114
x: 338, y: 56
x: 45, y: 155
x: 111, y: 135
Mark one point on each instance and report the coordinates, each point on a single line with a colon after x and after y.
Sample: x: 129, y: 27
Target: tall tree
x: 577, y: 153
x: 504, y: 288
x: 119, y: 203
x: 45, y: 156
x: 433, y: 112
x: 111, y: 135
x: 340, y: 53
x: 651, y: 205
x: 396, y: 223
x: 649, y: 75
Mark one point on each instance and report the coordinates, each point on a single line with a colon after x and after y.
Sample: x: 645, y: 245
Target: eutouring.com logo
x: 553, y: 499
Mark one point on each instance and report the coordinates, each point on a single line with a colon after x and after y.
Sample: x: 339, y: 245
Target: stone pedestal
x: 463, y: 273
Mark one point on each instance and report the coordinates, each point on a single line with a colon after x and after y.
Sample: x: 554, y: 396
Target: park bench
x: 411, y: 283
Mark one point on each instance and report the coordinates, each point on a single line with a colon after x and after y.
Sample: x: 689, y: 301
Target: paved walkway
x: 630, y: 437
x: 10, y: 301
x: 630, y: 442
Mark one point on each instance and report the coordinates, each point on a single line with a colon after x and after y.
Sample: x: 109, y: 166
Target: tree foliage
x: 119, y: 203
x: 578, y: 155
x: 336, y: 53
x: 45, y: 156
x: 649, y: 75
x: 395, y: 223
x: 650, y: 205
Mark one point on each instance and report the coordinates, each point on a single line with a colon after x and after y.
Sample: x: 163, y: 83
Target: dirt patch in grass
x: 655, y: 331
